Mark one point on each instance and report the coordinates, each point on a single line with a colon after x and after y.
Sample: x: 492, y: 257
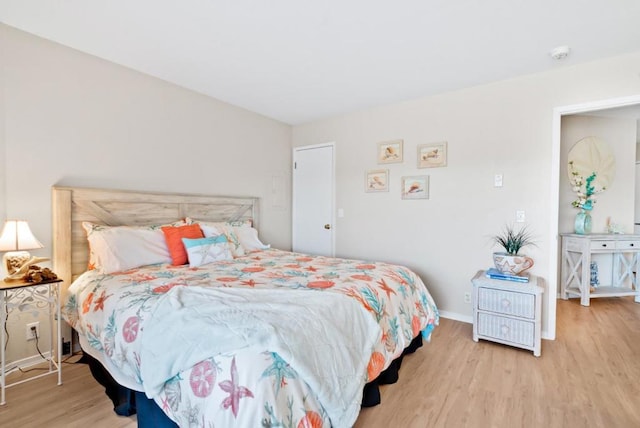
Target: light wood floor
x: 588, y: 377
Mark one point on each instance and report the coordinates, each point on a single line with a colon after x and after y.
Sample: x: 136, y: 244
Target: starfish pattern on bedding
x: 236, y: 392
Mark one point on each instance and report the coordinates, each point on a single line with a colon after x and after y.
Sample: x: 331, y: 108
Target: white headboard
x: 73, y: 205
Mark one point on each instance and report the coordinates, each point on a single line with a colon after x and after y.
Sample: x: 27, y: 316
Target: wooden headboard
x: 73, y: 205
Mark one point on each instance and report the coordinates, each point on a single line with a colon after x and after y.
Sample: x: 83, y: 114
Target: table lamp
x: 16, y: 238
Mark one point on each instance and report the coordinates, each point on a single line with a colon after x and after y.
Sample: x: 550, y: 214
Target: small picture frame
x: 377, y: 180
x: 415, y: 187
x: 390, y: 152
x: 432, y: 155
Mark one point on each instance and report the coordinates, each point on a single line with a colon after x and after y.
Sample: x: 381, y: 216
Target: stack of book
x: 494, y: 273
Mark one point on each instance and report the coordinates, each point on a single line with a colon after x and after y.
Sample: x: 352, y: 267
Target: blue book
x: 494, y: 273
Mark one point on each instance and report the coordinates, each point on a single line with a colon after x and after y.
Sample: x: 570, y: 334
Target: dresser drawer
x: 507, y: 302
x: 516, y: 331
x: 602, y: 245
x: 628, y: 245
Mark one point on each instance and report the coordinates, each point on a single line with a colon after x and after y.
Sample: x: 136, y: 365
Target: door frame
x: 554, y: 268
x: 333, y: 191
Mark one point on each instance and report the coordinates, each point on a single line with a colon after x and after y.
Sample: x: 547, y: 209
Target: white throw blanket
x: 326, y: 337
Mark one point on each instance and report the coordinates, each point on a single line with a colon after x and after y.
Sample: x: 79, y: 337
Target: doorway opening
x: 558, y: 113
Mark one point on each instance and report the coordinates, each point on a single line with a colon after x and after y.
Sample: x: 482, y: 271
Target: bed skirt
x: 127, y: 402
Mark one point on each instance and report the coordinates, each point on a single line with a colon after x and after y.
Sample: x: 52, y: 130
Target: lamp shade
x: 17, y: 236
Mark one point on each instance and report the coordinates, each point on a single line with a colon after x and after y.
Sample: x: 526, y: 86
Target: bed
x: 264, y: 338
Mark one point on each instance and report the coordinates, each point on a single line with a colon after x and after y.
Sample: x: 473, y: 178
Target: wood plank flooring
x: 588, y: 377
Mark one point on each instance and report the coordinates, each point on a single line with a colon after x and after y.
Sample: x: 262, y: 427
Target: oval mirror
x: 589, y: 156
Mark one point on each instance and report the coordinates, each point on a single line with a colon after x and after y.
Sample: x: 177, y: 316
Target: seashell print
x: 203, y: 378
x: 174, y: 393
x: 311, y: 419
x: 390, y: 343
x: 161, y: 289
x: 390, y: 152
x: 415, y: 325
x: 109, y: 346
x: 130, y: 329
x: 320, y: 284
x: 253, y: 269
x: 414, y: 187
x: 366, y: 267
x: 227, y: 279
x: 375, y: 366
x: 431, y: 154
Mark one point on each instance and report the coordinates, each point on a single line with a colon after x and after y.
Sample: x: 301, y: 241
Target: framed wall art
x: 415, y: 187
x: 377, y: 180
x: 432, y: 155
x: 390, y: 151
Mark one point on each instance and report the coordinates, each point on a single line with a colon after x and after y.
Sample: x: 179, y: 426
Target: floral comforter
x: 253, y: 384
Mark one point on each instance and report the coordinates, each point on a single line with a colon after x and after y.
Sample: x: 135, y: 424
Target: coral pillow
x: 174, y: 235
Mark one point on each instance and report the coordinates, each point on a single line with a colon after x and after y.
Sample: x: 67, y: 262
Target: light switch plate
x: 497, y: 180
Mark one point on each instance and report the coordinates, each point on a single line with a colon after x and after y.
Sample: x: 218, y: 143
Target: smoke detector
x: 561, y: 52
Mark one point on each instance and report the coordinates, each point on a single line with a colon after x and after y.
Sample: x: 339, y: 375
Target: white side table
x: 508, y: 312
x: 33, y: 297
x: 577, y: 254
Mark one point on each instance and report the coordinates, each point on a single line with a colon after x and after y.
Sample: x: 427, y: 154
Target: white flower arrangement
x: 584, y: 189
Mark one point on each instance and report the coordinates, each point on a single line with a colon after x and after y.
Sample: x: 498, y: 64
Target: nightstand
x: 508, y: 312
x: 33, y: 297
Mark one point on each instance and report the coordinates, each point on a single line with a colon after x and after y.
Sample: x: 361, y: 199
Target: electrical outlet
x: 467, y: 297
x: 33, y: 330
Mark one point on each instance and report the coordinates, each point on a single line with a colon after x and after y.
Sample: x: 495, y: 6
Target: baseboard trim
x: 456, y: 316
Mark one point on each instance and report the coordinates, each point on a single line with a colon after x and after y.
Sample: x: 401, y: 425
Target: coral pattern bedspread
x: 273, y: 339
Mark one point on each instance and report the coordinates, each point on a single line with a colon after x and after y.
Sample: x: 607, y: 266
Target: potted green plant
x: 510, y: 261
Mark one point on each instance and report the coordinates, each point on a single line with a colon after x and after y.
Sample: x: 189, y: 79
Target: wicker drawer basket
x: 506, y: 329
x: 507, y: 302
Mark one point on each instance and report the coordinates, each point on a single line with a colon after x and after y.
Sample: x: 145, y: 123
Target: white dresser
x: 623, y: 255
x: 508, y: 312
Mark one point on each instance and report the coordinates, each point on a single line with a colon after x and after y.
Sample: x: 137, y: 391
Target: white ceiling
x: 297, y: 60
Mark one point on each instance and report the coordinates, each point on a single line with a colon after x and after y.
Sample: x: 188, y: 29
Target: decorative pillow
x: 118, y: 248
x: 222, y: 228
x: 174, y: 235
x: 248, y: 237
x: 207, y: 250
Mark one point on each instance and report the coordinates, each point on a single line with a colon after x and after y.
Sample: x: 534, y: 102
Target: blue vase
x: 582, y: 224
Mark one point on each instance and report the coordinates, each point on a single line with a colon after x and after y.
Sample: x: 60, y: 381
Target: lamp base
x: 17, y: 264
x: 13, y: 260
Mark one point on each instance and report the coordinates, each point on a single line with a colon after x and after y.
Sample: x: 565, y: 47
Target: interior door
x: 313, y: 199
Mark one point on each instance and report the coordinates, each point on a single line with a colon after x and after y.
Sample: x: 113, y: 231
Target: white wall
x: 73, y: 119
x: 2, y: 126
x: 506, y: 128
x: 617, y: 202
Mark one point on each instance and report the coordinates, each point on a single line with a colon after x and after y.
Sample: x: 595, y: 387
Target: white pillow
x: 248, y: 237
x: 202, y: 251
x: 119, y: 248
x: 241, y: 235
x: 210, y: 229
